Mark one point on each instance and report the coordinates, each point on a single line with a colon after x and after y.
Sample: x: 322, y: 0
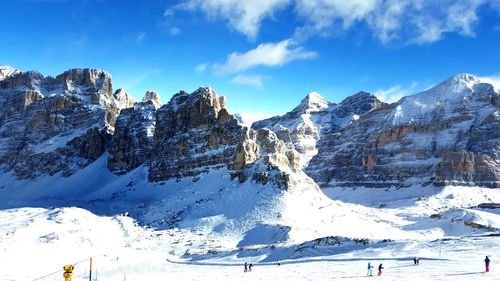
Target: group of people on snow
x: 370, y: 266
x: 248, y: 267
x: 416, y: 261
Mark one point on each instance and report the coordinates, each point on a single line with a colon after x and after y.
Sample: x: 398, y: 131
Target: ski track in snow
x: 222, y: 224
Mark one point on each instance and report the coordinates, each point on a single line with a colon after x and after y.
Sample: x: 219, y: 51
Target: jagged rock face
x: 123, y: 99
x: 264, y: 158
x: 247, y: 152
x: 152, y: 96
x: 194, y: 133
x: 51, y: 125
x: 304, y: 126
x: 357, y: 104
x: 132, y: 142
x: 446, y: 135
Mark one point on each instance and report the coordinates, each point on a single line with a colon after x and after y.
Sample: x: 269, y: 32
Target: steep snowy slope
x: 132, y: 226
x: 188, y: 183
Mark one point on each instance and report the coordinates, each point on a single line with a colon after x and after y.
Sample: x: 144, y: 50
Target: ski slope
x: 205, y: 228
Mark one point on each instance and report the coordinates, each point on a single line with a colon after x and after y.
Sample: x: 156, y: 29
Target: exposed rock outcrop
x: 51, y: 125
x: 132, y: 143
x: 194, y: 133
x: 153, y: 97
x: 123, y: 99
x: 446, y: 135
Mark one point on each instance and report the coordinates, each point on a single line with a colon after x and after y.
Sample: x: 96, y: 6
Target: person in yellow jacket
x: 68, y: 272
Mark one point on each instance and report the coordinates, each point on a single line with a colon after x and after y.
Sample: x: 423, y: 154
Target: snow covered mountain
x: 449, y: 134
x: 303, y: 127
x: 187, y: 181
x: 6, y: 71
x: 51, y: 125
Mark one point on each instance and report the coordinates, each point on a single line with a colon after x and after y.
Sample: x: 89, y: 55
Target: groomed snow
x: 205, y: 228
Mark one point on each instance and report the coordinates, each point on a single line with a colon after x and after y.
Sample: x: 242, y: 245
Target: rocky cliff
x: 449, y: 134
x: 194, y: 133
x: 304, y: 126
x: 50, y: 125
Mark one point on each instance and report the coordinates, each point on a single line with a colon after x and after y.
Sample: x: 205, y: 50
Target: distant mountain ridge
x: 449, y: 134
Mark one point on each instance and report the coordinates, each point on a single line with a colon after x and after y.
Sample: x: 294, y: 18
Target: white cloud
x: 200, y: 68
x: 411, y: 21
x: 407, y: 22
x: 324, y: 13
x: 493, y: 80
x: 396, y: 92
x: 266, y: 54
x: 243, y: 16
x: 251, y: 80
x: 249, y: 118
x: 173, y: 31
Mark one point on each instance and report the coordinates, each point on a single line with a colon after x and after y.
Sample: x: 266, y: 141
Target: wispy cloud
x: 249, y: 118
x: 200, y: 68
x: 139, y: 37
x: 408, y: 22
x: 251, y: 80
x: 174, y: 31
x: 132, y: 80
x: 243, y: 16
x: 396, y: 92
x: 266, y: 54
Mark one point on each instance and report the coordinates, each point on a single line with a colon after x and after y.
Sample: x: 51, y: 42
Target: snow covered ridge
x: 6, y: 71
x: 161, y: 190
x: 449, y: 134
x: 446, y: 135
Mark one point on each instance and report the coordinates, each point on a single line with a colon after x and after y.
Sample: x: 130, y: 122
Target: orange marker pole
x: 90, y: 274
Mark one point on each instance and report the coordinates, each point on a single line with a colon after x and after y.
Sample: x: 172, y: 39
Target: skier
x: 246, y: 267
x: 415, y: 260
x: 278, y: 262
x: 250, y: 267
x: 487, y: 264
x: 370, y: 266
x: 380, y: 267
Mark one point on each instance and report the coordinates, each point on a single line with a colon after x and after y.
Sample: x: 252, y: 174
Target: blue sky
x: 265, y: 56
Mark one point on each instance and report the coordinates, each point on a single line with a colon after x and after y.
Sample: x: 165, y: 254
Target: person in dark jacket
x: 487, y: 264
x: 380, y: 267
x: 246, y: 267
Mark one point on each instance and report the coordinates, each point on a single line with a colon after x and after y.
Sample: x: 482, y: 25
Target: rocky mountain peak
x: 454, y: 86
x: 86, y: 82
x: 123, y: 99
x: 7, y: 71
x: 152, y: 96
x: 313, y: 102
x: 29, y: 80
x: 357, y: 104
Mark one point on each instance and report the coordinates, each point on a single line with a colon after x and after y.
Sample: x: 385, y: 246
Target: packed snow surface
x: 205, y: 228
